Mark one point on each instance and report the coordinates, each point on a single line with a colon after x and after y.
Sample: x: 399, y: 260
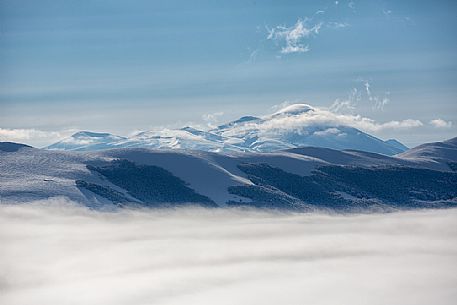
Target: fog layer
x: 56, y: 253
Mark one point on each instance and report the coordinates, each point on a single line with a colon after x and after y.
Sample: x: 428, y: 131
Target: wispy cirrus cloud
x: 293, y: 39
x: 378, y: 102
x: 361, y: 93
x: 296, y: 38
x: 348, y: 104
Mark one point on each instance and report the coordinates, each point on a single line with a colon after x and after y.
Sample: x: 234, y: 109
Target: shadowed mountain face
x: 296, y: 179
x: 294, y: 126
x: 149, y: 184
x: 11, y: 147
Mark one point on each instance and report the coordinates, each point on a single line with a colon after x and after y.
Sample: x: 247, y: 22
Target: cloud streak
x: 377, y: 101
x: 440, y: 123
x: 362, y: 93
x: 56, y: 253
x: 21, y: 134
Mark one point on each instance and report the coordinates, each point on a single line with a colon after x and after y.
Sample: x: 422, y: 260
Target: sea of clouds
x: 54, y: 252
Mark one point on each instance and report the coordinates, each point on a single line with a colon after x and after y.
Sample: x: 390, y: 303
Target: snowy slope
x: 294, y: 126
x: 203, y: 175
x: 297, y: 178
x: 300, y: 125
x: 437, y: 155
x: 31, y: 173
x: 86, y: 140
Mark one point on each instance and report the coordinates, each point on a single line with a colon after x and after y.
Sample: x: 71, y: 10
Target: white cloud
x: 404, y: 124
x: 440, y: 123
x: 329, y: 131
x: 341, y: 105
x: 253, y: 56
x: 378, y: 102
x: 337, y: 25
x: 294, y: 49
x: 278, y: 107
x: 387, y: 12
x: 361, y: 93
x: 347, y: 104
x: 7, y: 134
x: 294, y: 37
x: 283, y: 121
x: 212, y: 119
x: 56, y: 253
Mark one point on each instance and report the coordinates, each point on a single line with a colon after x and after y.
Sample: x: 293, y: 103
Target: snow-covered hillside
x: 298, y: 178
x: 86, y: 140
x: 294, y: 126
x: 438, y: 152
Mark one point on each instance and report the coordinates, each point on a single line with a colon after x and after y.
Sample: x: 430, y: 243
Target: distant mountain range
x: 291, y: 127
x: 301, y: 179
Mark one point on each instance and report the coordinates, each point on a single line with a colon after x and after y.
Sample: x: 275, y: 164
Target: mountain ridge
x: 248, y: 133
x: 296, y: 179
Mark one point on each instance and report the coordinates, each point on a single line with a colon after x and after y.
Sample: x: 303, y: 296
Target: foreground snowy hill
x: 298, y: 178
x: 294, y: 126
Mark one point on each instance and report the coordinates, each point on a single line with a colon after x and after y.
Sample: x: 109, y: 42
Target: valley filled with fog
x: 56, y: 252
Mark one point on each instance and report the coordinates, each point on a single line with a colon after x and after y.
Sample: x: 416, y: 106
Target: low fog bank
x: 57, y: 253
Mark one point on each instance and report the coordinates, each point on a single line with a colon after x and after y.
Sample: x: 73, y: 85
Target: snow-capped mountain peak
x: 90, y: 134
x: 297, y: 125
x: 294, y: 109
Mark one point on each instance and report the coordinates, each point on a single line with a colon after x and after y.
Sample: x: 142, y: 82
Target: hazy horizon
x: 323, y: 115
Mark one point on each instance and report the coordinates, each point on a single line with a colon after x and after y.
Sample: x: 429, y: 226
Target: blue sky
x: 121, y: 66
